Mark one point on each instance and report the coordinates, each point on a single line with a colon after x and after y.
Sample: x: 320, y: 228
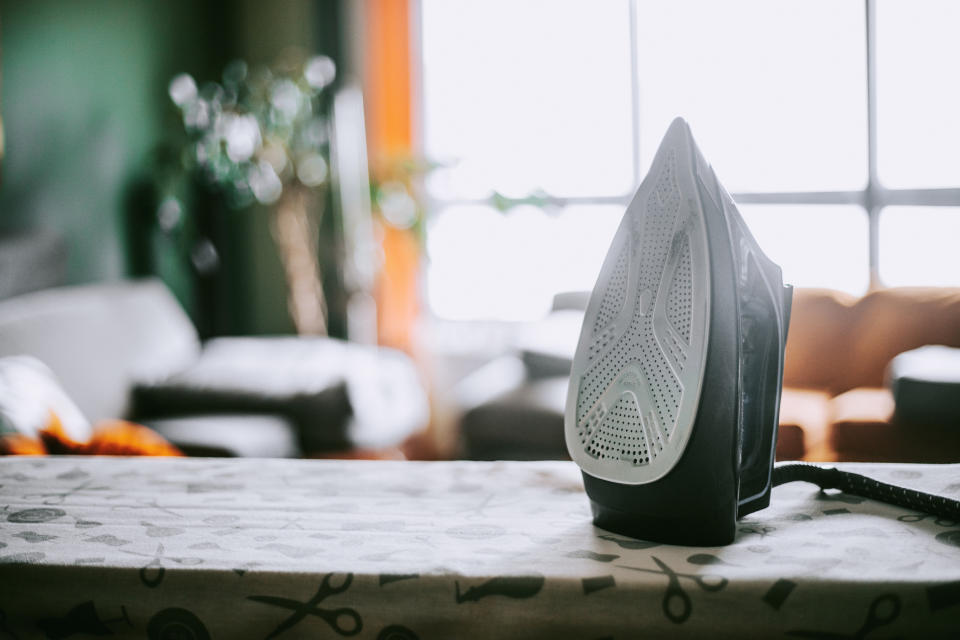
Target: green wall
x: 84, y: 103
x: 83, y: 98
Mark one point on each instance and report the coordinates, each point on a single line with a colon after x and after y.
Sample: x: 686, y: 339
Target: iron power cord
x: 858, y: 485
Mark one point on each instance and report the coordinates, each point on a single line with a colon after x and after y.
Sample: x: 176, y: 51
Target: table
x: 227, y: 548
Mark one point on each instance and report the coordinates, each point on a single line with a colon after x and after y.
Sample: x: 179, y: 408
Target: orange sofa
x: 836, y: 404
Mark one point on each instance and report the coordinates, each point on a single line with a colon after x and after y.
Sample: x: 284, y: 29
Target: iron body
x: 674, y: 394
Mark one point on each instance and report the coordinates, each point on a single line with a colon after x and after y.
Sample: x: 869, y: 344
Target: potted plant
x: 261, y: 136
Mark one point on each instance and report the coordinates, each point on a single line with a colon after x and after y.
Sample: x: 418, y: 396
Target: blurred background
x: 442, y: 177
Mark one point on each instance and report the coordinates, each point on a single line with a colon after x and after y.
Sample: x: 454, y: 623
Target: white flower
x: 182, y: 89
x: 196, y: 114
x: 242, y: 134
x: 276, y: 155
x: 312, y: 170
x: 285, y: 98
x: 396, y: 205
x: 320, y: 71
x: 265, y: 183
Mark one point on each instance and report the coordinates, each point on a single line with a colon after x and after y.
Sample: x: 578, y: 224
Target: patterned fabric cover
x: 392, y: 550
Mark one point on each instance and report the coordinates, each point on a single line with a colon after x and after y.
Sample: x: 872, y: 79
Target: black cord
x: 858, y: 485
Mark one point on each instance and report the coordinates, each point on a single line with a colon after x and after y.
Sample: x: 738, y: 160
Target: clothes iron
x: 674, y: 392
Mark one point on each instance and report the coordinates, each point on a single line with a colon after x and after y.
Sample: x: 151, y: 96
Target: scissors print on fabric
x: 152, y: 573
x: 676, y: 603
x: 883, y: 610
x: 759, y: 529
x: 473, y: 510
x: 142, y: 503
x: 301, y: 610
x: 919, y: 517
x: 61, y: 498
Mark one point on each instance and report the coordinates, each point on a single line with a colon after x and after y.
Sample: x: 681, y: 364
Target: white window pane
x: 526, y: 96
x: 918, y: 246
x: 815, y: 245
x: 775, y: 92
x: 484, y: 264
x: 918, y: 95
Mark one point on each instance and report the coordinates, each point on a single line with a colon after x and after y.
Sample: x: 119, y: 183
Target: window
x: 832, y: 121
x: 918, y: 97
x: 919, y: 245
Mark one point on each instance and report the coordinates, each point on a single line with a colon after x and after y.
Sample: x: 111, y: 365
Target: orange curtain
x: 388, y: 77
x: 387, y: 73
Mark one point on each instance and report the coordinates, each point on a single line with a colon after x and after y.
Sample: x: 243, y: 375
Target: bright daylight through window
x: 815, y: 113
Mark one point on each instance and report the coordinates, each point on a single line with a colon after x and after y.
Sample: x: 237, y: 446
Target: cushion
x: 804, y: 419
x: 838, y: 342
x: 17, y: 444
x: 30, y: 396
x: 110, y: 438
x: 230, y: 435
x: 818, y: 338
x: 789, y: 442
x: 525, y: 423
x: 864, y: 430
x: 99, y: 339
x: 861, y: 429
x: 926, y: 385
x: 337, y: 394
x: 547, y: 347
x: 891, y: 321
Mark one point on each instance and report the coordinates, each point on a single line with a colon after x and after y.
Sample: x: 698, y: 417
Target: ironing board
x: 399, y: 550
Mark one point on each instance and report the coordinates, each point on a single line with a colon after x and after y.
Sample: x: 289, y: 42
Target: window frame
x: 872, y: 198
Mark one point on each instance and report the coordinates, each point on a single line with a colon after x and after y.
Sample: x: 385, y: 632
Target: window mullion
x: 801, y: 197
x: 874, y: 192
x: 635, y: 96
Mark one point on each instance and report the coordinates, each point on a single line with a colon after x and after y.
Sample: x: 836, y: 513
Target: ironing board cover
x: 394, y: 550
